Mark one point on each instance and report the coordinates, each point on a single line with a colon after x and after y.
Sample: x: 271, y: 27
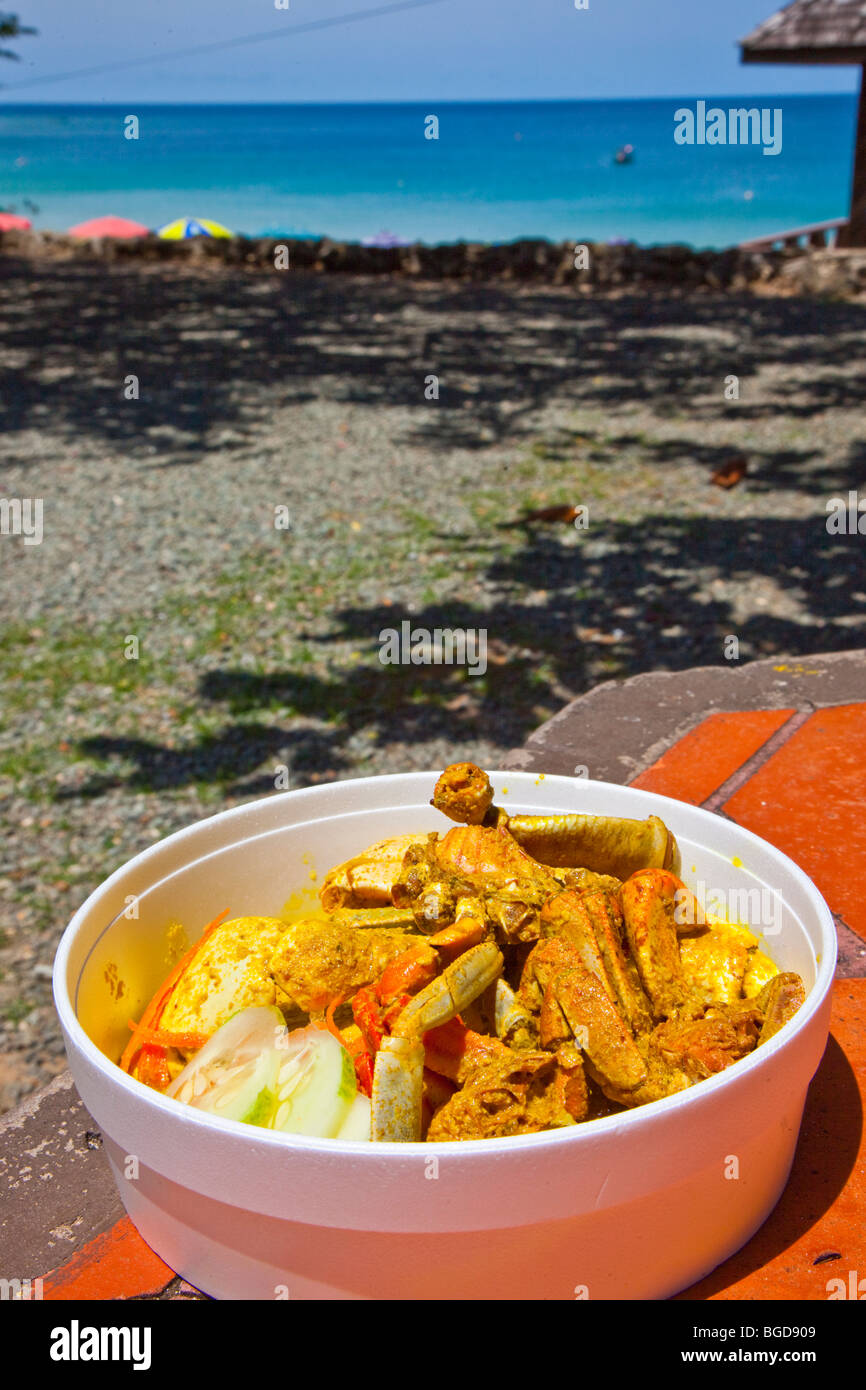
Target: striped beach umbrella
x: 184, y: 227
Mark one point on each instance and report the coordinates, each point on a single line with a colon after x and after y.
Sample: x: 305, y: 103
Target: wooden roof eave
x: 840, y: 56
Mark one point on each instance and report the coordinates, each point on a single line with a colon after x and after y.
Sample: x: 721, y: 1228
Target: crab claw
x: 367, y: 880
x: 513, y: 1022
x: 469, y: 929
x: 490, y: 861
x: 398, y: 1078
x: 575, y: 1007
x: 779, y: 1000
x: 592, y: 922
x: 649, y: 901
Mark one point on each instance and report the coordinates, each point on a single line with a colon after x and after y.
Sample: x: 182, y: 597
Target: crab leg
x: 469, y: 929
x: 605, y: 844
x: 451, y: 991
x: 366, y: 918
x: 398, y: 1089
x: 375, y: 1008
x: 399, y: 1073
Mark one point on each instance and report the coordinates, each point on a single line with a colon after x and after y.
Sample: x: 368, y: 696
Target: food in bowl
x: 516, y: 974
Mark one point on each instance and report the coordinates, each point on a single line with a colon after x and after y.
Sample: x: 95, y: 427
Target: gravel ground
x: 258, y: 645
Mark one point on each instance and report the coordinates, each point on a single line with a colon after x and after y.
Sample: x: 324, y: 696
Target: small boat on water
x: 624, y: 155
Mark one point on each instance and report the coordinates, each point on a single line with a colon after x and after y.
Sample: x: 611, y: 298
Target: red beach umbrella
x: 109, y: 226
x: 10, y: 223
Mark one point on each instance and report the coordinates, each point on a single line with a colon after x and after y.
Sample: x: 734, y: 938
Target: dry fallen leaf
x: 732, y: 471
x: 565, y: 513
x: 595, y: 634
x: 497, y: 653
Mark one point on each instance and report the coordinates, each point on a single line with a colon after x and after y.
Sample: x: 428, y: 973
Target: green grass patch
x: 17, y: 1010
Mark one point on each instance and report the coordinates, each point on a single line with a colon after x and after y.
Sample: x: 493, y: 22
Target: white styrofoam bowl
x: 635, y: 1205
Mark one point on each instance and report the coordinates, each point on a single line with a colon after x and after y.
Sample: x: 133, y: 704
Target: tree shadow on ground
x: 214, y: 354
x: 769, y: 470
x: 566, y: 614
x: 230, y: 758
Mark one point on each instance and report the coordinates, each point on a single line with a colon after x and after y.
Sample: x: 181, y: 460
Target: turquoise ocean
x: 498, y: 171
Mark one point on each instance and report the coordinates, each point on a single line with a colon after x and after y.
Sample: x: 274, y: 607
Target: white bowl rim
x: 699, y: 1094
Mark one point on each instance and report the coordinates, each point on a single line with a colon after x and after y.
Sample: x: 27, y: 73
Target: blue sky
x: 446, y: 50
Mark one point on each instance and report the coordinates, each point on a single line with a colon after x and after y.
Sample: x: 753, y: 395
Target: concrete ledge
x: 56, y: 1189
x: 620, y: 728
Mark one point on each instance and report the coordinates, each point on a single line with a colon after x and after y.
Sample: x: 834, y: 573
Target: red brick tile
x: 711, y: 753
x: 821, y: 1209
x: 809, y: 799
x: 116, y: 1264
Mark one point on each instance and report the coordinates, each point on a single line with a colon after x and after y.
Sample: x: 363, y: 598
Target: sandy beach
x: 258, y: 643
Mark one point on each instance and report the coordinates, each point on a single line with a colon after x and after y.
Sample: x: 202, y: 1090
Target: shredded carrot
x: 153, y: 1067
x: 152, y: 1014
x: 329, y: 1018
x: 164, y: 1039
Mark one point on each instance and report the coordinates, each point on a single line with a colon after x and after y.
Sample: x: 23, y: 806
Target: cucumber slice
x: 358, y: 1122
x: 255, y: 1071
x: 315, y: 1084
x: 235, y: 1074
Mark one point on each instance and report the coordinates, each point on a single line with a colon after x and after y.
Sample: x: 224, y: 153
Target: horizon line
x: 441, y: 101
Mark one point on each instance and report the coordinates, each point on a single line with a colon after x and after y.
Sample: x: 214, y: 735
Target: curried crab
x: 514, y: 974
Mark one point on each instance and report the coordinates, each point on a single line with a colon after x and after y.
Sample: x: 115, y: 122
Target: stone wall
x: 610, y: 267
